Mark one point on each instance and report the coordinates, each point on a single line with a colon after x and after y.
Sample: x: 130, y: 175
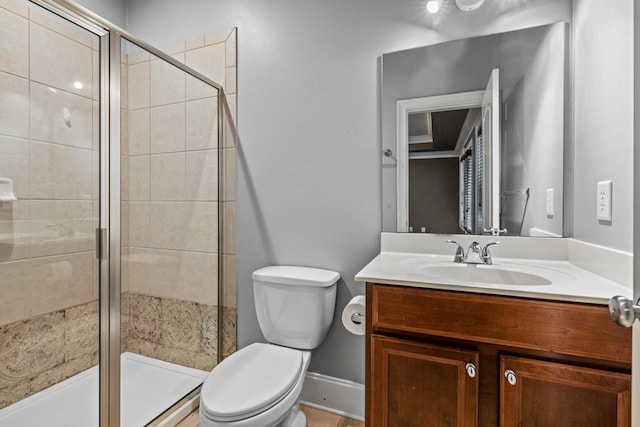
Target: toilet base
x: 296, y: 418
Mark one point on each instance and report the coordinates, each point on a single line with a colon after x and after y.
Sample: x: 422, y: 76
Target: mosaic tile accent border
x: 44, y: 350
x: 177, y: 331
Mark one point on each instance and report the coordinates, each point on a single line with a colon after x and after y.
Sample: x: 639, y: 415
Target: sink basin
x: 483, y: 274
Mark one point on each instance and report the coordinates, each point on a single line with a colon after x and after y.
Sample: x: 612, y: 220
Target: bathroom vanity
x: 451, y: 352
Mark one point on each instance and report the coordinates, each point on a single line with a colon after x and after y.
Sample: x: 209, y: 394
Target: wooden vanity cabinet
x: 442, y: 358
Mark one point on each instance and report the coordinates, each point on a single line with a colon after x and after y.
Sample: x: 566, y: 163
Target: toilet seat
x: 250, y: 381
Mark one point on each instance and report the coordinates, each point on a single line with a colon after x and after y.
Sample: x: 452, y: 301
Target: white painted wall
x: 603, y: 118
x: 309, y: 180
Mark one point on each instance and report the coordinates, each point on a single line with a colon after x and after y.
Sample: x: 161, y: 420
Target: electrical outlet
x: 550, y: 212
x: 604, y: 200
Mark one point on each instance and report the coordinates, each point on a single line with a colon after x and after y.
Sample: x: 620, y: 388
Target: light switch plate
x: 604, y: 200
x: 550, y: 211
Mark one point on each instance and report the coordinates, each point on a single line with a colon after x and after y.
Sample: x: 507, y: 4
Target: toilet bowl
x: 260, y: 385
x: 264, y: 392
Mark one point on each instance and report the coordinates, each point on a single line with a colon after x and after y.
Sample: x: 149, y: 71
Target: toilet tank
x: 295, y: 305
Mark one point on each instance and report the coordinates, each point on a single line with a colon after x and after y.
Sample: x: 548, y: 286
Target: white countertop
x: 568, y: 282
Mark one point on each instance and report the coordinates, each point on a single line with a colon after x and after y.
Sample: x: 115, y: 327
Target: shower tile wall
x: 48, y: 273
x: 170, y: 204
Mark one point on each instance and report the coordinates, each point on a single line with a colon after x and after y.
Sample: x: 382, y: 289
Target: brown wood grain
x: 583, y: 330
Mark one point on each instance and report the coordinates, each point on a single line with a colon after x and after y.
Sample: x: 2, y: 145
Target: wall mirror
x: 473, y: 135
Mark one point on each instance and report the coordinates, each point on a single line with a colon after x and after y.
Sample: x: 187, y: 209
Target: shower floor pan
x: 149, y: 386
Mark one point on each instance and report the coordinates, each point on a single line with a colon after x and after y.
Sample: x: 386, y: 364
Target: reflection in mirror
x: 470, y: 156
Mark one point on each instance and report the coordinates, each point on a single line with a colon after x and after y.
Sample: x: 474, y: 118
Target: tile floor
x: 315, y: 418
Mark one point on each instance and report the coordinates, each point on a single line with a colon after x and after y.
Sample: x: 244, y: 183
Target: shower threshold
x: 149, y: 386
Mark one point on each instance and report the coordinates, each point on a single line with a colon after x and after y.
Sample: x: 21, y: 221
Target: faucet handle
x: 486, y: 255
x: 459, y: 251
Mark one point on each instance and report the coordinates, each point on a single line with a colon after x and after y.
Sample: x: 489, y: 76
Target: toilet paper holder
x: 357, y: 318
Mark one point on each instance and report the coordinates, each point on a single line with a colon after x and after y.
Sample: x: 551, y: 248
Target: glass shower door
x: 49, y: 210
x: 169, y: 232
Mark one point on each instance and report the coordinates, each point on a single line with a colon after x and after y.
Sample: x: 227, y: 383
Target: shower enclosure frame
x: 108, y: 238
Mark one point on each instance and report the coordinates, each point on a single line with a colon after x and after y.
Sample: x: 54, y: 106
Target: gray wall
x: 603, y: 119
x: 309, y: 155
x: 114, y: 11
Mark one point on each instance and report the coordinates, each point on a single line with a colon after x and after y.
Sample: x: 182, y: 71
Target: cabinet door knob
x: 471, y: 370
x: 511, y: 377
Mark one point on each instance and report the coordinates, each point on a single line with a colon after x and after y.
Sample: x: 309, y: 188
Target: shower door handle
x: 101, y: 243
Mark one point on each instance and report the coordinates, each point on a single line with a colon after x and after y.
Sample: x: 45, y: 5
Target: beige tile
x: 82, y: 331
x: 189, y: 276
x: 167, y: 176
x: 61, y: 226
x: 139, y: 178
x: 167, y: 83
x: 95, y: 68
x: 167, y: 128
x: 38, y: 343
x: 215, y: 38
x: 95, y: 136
x: 14, y: 393
x: 139, y: 86
x: 229, y: 331
x: 62, y: 26
x: 209, y: 60
x: 14, y: 49
x: 14, y: 291
x: 231, y: 80
x: 230, y: 49
x: 180, y: 324
x: 142, y: 347
x: 209, y: 325
x: 145, y: 314
x: 61, y: 281
x: 197, y: 89
x: 14, y: 106
x: 14, y: 164
x: 230, y: 174
x: 124, y: 178
x: 230, y: 222
x: 183, y: 357
x: 57, y: 61
x: 174, y: 48
x: 124, y: 132
x: 195, y: 42
x: 46, y: 379
x: 139, y: 224
x: 318, y: 418
x: 48, y: 122
x: 59, y: 172
x: 76, y: 365
x: 124, y: 227
x: 230, y: 281
x: 230, y: 121
x: 139, y: 124
x: 185, y: 226
x: 202, y: 124
x: 202, y: 175
x: 15, y: 239
x: 124, y: 86
x: 16, y: 6
x: 136, y: 54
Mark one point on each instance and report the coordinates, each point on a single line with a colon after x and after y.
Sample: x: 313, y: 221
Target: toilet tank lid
x: 293, y: 275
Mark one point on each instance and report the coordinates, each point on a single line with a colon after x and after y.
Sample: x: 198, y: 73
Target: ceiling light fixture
x: 468, y: 5
x: 433, y: 6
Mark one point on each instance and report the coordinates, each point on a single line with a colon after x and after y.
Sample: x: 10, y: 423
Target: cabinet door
x: 534, y: 393
x: 421, y: 385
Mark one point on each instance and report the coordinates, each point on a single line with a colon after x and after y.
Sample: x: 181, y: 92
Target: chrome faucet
x: 476, y: 253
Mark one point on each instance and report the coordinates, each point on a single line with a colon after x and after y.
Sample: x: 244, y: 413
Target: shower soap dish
x: 6, y: 190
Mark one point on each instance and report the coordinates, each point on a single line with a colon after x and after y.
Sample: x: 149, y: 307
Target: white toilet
x: 260, y: 385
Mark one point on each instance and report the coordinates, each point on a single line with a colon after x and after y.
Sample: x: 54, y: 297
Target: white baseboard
x: 342, y: 397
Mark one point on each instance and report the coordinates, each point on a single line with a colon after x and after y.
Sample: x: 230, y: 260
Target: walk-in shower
x: 111, y: 261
